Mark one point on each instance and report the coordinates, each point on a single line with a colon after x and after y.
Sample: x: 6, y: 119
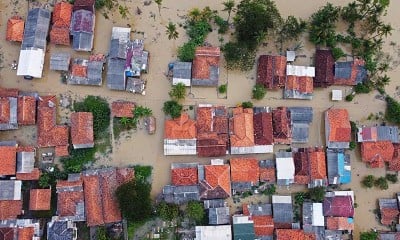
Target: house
x: 263, y: 133
x: 282, y: 209
x: 82, y: 130
x: 214, y: 180
x: 31, y: 62
x: 87, y: 72
x: 298, y: 87
x: 350, y: 73
x: 60, y: 36
x: 20, y: 229
x: 300, y: 71
x: 39, y: 199
x: 180, y: 136
x: 293, y: 234
x: 302, y: 166
x: 394, y: 164
x: 285, y: 168
x: 281, y: 124
x: 26, y: 110
x: 116, y: 79
x: 61, y: 20
x: 184, y: 174
x: 82, y: 29
x: 375, y: 154
x: 262, y: 216
x: 337, y: 128
x: 338, y: 206
x: 84, y: 4
x: 220, y: 232
x: 340, y: 223
x: 317, y: 167
x: 271, y: 71
x: 241, y: 131
x: 212, y: 131
x: 245, y: 173
x: 135, y: 85
x: 61, y: 230
x: 338, y: 166
x: 60, y: 61
x: 122, y: 109
x: 388, y: 235
x: 301, y: 118
x: 10, y: 199
x: 243, y: 227
x: 8, y: 160
x: 15, y: 29
x: 378, y: 133
x: 36, y: 29
x: 137, y: 59
x: 26, y: 164
x: 70, y: 199
x: 324, y: 68
x: 389, y: 211
x: 180, y: 194
x: 8, y: 106
x: 182, y: 73
x: 48, y: 133
x: 313, y: 219
x: 218, y: 215
x: 267, y: 171
x: 205, y: 66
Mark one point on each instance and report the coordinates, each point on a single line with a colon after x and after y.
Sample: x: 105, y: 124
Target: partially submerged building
x: 350, y: 73
x: 324, y: 68
x: 82, y: 130
x: 376, y: 154
x: 245, y: 173
x: 337, y: 128
x: 261, y: 214
x: 214, y: 180
x: 9, y: 109
x: 313, y: 218
x: 285, y: 168
x: 59, y: 33
x: 82, y: 25
x: 220, y: 232
x: 338, y: 166
x: 182, y: 73
x: 263, y: 128
x: 378, y: 133
x: 243, y: 227
x: 271, y: 71
x: 338, y: 205
x: 70, y: 199
x: 301, y: 118
x: 281, y: 124
x: 122, y: 109
x: 205, y: 67
x: 310, y: 167
x: 267, y: 171
x: 180, y: 136
x: 282, y: 211
x: 60, y: 61
x: 87, y: 72
x: 389, y: 211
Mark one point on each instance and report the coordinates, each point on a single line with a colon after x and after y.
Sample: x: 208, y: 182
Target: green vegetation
x: 299, y: 197
x: 259, y: 91
x: 178, y: 92
x: 223, y: 88
x: 123, y: 11
x: 159, y: 3
x: 195, y: 211
x: 172, y: 108
x: 382, y: 183
x: 368, y: 181
x: 371, y: 235
x: 143, y: 173
x: 247, y: 104
x: 392, y: 178
x: 229, y: 6
x: 101, y: 233
x: 238, y: 56
x: 99, y: 4
x: 290, y: 30
x: 323, y: 24
x: 168, y: 212
x: 171, y: 31
x: 392, y: 110
x: 349, y: 97
x: 362, y: 88
x: 269, y: 190
x: 352, y: 145
x: 353, y: 126
x: 317, y: 194
x: 222, y: 24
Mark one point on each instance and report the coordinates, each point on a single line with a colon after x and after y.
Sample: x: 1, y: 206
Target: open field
x: 140, y: 148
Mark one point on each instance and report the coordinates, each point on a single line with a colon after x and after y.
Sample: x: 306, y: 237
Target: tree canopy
x: 370, y: 235
x: 392, y: 110
x: 323, y: 24
x: 167, y: 211
x: 172, y: 108
x: 195, y: 211
x: 178, y: 91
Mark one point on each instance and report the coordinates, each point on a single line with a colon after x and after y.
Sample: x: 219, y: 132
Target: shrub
x: 337, y: 53
x: 186, y: 52
x: 362, y: 88
x: 381, y: 183
x: 371, y: 235
x: 198, y: 31
x: 317, y: 194
x: 167, y: 211
x: 172, y: 108
x: 238, y: 56
x: 392, y: 110
x: 222, y: 24
x: 349, y: 97
x: 270, y: 190
x: 368, y: 181
x: 352, y: 145
x: 178, y: 91
x: 259, y: 91
x: 143, y: 173
x: 247, y: 104
x: 299, y: 198
x: 223, y: 88
x: 195, y: 211
x: 392, y: 178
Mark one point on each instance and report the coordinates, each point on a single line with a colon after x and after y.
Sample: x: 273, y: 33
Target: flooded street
x: 140, y: 148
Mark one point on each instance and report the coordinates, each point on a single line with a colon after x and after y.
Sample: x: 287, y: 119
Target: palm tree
x: 123, y: 11
x: 171, y: 31
x: 229, y: 7
x: 124, y: 121
x: 194, y: 15
x: 159, y: 2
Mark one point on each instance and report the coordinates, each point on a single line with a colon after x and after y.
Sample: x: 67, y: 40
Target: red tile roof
x: 263, y: 225
x: 245, y: 170
x: 263, y: 133
x: 339, y: 223
x: 15, y: 29
x: 217, y: 182
x: 25, y: 233
x: 377, y: 153
x: 339, y: 125
x: 281, y: 124
x: 8, y: 160
x: 242, y: 128
x: 34, y: 175
x: 267, y: 175
x: 62, y: 14
x: 324, y: 68
x: 122, y: 109
x: 4, y: 110
x: 10, y: 209
x: 26, y: 110
x: 109, y: 184
x: 61, y: 151
x: 351, y: 81
x: 180, y: 128
x: 300, y: 84
x: 93, y: 204
x: 82, y: 128
x: 9, y: 92
x: 67, y: 200
x: 60, y: 35
x: 79, y: 70
x: 40, y: 199
x: 184, y: 176
x: 317, y: 164
x: 394, y: 164
x: 7, y: 233
x: 302, y: 167
x: 292, y: 234
x: 389, y: 215
x: 338, y: 206
x: 204, y: 59
x: 271, y: 71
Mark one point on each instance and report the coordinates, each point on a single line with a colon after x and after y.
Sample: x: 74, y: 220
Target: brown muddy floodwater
x: 140, y: 148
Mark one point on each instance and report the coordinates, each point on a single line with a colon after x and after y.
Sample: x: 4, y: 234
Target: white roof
x: 221, y: 232
x: 186, y: 82
x: 285, y: 168
x: 317, y: 215
x: 281, y: 199
x: 31, y: 63
x: 241, y: 219
x: 345, y: 193
x: 290, y: 56
x: 301, y: 71
x: 121, y: 33
x: 217, y: 161
x: 337, y: 95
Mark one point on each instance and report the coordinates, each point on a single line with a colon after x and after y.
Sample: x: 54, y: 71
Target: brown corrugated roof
x: 26, y: 110
x: 122, y: 109
x: 25, y: 233
x: 339, y: 223
x: 263, y: 133
x: 60, y: 35
x: 204, y: 58
x: 339, y: 125
x: 389, y: 215
x: 82, y: 128
x: 4, y: 110
x: 40, y: 199
x: 302, y: 167
x: 281, y: 124
x: 271, y: 71
x: 377, y: 153
x: 324, y: 67
x: 180, y: 128
x: 242, y: 128
x: 62, y: 14
x: 184, y: 176
x: 67, y: 200
x: 245, y: 170
x: 8, y: 160
x: 15, y: 29
x: 10, y: 209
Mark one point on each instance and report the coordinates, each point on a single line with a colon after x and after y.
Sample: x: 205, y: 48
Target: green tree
x: 392, y: 110
x: 178, y: 91
x: 382, y: 183
x: 238, y: 56
x: 291, y: 29
x: 159, y: 3
x: 123, y: 10
x: 317, y: 194
x: 270, y: 190
x: 101, y: 233
x: 167, y: 212
x: 194, y: 15
x: 259, y: 91
x: 352, y: 145
x: 125, y: 121
x: 186, y: 51
x: 171, y: 31
x: 172, y: 108
x: 44, y: 180
x: 223, y: 88
x: 368, y: 181
x: 392, y: 178
x: 134, y: 200
x: 299, y: 198
x: 229, y: 6
x: 195, y: 211
x: 247, y: 104
x: 322, y: 25
x: 370, y: 235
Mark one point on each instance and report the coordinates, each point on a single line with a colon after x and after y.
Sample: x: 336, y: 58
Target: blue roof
x: 345, y: 175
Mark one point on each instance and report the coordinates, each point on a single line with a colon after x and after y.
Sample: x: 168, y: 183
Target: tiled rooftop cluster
x: 310, y: 167
x: 87, y: 72
x: 82, y: 25
x: 61, y: 20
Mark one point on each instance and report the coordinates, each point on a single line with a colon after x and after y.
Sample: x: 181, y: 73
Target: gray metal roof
x: 343, y: 69
x: 389, y: 133
x: 301, y: 114
x: 12, y: 123
x: 361, y: 74
x: 25, y: 162
x: 82, y: 41
x: 135, y: 85
x: 182, y: 70
x: 241, y: 186
x: 333, y: 235
x: 116, y: 74
x: 387, y: 203
x: 10, y: 143
x: 218, y: 216
x: 300, y: 132
x: 59, y: 230
x: 36, y: 29
x: 117, y: 49
x: 267, y: 163
x: 307, y: 216
x: 95, y: 72
x: 295, y: 94
x: 283, y: 213
x: 262, y: 209
x: 181, y: 194
x: 389, y: 236
x: 214, y: 203
x: 60, y: 61
x: 10, y: 190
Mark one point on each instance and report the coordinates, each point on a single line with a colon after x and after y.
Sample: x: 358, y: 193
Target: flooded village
x: 133, y: 119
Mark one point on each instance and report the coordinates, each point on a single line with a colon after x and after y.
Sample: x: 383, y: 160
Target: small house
x: 324, y: 68
x: 262, y: 216
x: 285, y: 168
x: 25, y: 159
x: 59, y: 33
x: 389, y: 211
x: 301, y: 118
x: 271, y: 71
x: 82, y: 130
x: 281, y: 125
x: 337, y: 95
x: 245, y: 173
x: 87, y: 72
x: 82, y: 29
x: 60, y: 61
x: 180, y: 194
x: 70, y: 199
x: 375, y: 154
x: 220, y: 232
x: 218, y: 215
x: 350, y: 73
x: 60, y: 36
x: 338, y: 166
x: 15, y: 29
x: 214, y: 181
x: 121, y: 109
x: 298, y: 87
x: 293, y: 234
x: 36, y: 29
x: 313, y: 219
x: 205, y: 66
x: 338, y: 206
x: 180, y: 136
x: 135, y: 85
x: 61, y: 230
x: 243, y: 227
x: 310, y: 167
x: 282, y: 209
x: 267, y: 171
x: 263, y: 129
x: 10, y: 199
x: 39, y: 199
x: 337, y: 128
x: 31, y: 62
x: 378, y: 133
x: 340, y: 224
x: 8, y: 160
x: 182, y: 73
x: 9, y: 109
x: 21, y: 229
